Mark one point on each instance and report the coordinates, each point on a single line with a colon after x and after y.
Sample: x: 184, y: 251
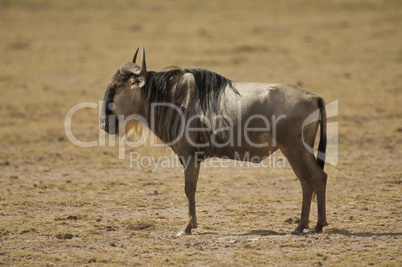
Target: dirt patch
x: 66, y: 205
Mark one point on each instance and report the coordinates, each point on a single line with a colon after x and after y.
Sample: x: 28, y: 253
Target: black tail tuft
x: 323, y: 134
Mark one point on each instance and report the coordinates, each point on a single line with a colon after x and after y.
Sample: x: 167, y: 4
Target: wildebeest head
x: 123, y: 94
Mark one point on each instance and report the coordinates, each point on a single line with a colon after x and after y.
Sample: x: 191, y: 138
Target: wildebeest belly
x: 255, y: 149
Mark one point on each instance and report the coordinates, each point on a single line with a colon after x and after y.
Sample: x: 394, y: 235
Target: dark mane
x: 210, y: 86
x: 159, y: 85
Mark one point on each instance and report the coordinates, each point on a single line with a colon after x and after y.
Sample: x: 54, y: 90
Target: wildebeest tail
x: 322, y: 146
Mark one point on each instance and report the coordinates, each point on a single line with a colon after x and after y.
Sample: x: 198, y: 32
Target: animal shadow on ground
x: 252, y: 232
x: 336, y: 231
x: 262, y: 232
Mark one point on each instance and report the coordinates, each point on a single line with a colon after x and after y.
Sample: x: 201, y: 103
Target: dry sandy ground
x: 66, y: 205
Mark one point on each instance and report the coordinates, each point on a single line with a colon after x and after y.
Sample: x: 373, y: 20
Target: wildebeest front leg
x: 191, y: 171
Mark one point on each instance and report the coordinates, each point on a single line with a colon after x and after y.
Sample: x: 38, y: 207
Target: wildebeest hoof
x: 315, y: 231
x: 296, y: 233
x: 182, y: 233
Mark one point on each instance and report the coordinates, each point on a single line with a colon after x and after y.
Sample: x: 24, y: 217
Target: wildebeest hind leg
x: 321, y: 184
x: 298, y: 163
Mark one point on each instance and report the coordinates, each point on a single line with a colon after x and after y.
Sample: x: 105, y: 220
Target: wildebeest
x: 201, y: 114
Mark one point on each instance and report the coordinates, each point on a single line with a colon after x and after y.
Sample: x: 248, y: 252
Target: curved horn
x: 134, y: 68
x: 135, y: 56
x: 143, y: 64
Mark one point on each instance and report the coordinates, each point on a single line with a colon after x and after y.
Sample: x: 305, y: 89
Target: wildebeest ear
x: 138, y: 82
